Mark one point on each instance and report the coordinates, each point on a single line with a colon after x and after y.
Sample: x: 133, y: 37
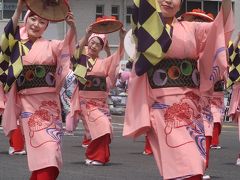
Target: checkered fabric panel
x: 11, y: 56
x: 82, y: 64
x: 234, y: 65
x: 151, y: 34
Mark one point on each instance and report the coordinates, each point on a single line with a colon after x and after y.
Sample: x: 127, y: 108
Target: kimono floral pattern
x: 185, y: 116
x: 44, y: 122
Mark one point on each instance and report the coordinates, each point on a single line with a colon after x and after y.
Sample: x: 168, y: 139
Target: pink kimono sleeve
x: 111, y: 64
x: 212, y: 55
x: 63, y: 51
x: 137, y: 113
x: 2, y: 99
x: 11, y: 112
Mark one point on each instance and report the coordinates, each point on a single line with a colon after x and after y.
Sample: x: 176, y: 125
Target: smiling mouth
x: 35, y: 31
x: 166, y: 7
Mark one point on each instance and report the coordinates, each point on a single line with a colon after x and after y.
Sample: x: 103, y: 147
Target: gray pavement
x: 127, y: 161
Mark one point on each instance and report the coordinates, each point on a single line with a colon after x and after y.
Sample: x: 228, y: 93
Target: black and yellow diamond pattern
x: 234, y: 65
x: 12, y: 50
x: 151, y: 34
x: 82, y: 64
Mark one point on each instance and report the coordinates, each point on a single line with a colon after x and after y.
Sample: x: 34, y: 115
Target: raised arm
x: 70, y: 20
x: 113, y: 61
x: 84, y: 40
x: 17, y: 13
x: 107, y: 49
x: 226, y: 6
x: 236, y: 42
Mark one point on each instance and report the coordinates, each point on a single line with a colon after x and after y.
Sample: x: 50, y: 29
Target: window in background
x: 7, y: 8
x: 193, y: 5
x: 220, y: 3
x: 128, y: 15
x: 115, y: 11
x: 211, y: 7
x: 99, y: 11
x: 1, y: 10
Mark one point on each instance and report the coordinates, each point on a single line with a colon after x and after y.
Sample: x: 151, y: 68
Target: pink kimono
x: 92, y: 106
x: 217, y: 108
x: 38, y: 108
x: 216, y: 104
x: 2, y: 99
x: 173, y: 117
x: 235, y: 105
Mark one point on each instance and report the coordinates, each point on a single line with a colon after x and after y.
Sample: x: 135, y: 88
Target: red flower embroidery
x: 179, y: 115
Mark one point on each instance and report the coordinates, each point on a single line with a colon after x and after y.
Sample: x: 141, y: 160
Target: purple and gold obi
x: 34, y: 76
x: 94, y: 83
x: 174, y: 73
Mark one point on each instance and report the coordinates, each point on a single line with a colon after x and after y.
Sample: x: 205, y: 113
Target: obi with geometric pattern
x: 174, y: 73
x: 34, y: 76
x: 94, y: 83
x: 219, y: 86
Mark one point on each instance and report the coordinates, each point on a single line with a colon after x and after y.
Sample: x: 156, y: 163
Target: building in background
x: 86, y: 11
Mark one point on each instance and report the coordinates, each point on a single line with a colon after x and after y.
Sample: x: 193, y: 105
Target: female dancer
x: 234, y: 102
x: 170, y: 109
x: 34, y: 97
x: 89, y: 100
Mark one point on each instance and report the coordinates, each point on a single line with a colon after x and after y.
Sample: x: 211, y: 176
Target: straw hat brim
x: 200, y: 15
x: 51, y: 13
x: 106, y: 26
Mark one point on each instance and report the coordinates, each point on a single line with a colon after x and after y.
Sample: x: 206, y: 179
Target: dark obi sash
x: 94, y: 83
x: 36, y: 76
x: 174, y: 73
x: 219, y: 86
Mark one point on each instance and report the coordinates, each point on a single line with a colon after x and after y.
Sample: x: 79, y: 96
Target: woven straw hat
x: 198, y: 13
x: 106, y: 24
x: 52, y: 10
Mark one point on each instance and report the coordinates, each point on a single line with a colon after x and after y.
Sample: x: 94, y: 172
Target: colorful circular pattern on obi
x: 103, y: 86
x: 50, y: 79
x: 160, y: 77
x: 40, y: 71
x: 174, y: 72
x: 186, y: 68
x: 88, y: 83
x: 29, y: 75
x: 195, y: 77
x: 20, y: 80
x: 96, y: 82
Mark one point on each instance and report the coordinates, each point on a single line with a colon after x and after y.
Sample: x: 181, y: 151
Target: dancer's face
x: 169, y: 8
x: 35, y: 26
x: 94, y: 47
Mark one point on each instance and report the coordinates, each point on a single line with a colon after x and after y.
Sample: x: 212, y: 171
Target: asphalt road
x: 127, y: 161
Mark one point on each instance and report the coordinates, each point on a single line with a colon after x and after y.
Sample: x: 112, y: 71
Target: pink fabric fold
x: 235, y: 102
x: 2, y: 99
x: 137, y: 113
x: 11, y: 112
x: 213, y: 59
